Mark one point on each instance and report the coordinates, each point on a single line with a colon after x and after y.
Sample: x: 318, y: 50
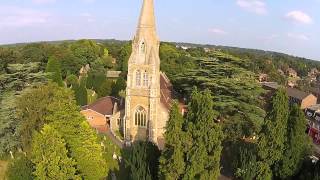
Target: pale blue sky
x: 290, y: 26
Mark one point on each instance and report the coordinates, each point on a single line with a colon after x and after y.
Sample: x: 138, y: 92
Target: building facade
x: 145, y: 115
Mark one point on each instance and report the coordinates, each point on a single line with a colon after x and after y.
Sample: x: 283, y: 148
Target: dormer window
x: 138, y: 78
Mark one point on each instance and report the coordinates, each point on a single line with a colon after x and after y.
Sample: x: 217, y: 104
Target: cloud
x: 43, y: 1
x: 299, y: 17
x: 217, y: 31
x: 11, y: 16
x: 298, y: 36
x: 255, y: 6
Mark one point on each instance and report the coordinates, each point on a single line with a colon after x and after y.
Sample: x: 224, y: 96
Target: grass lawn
x: 113, y: 164
x: 3, y: 169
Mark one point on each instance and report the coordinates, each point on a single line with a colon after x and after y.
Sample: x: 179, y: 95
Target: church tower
x: 143, y: 81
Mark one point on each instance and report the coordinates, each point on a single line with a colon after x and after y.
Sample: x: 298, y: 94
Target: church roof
x: 166, y: 91
x: 104, y: 106
x: 147, y: 18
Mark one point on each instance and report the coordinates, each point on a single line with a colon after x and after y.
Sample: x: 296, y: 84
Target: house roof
x: 271, y: 85
x: 113, y: 74
x: 103, y: 105
x: 292, y: 92
x: 166, y: 91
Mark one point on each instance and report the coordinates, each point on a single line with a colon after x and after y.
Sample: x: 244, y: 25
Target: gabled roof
x: 292, y: 92
x: 103, y: 105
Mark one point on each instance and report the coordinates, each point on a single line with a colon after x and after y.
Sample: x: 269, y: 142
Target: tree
x: 69, y: 62
x: 105, y: 89
x: 118, y: 86
x: 272, y: 140
x: 247, y: 164
x: 18, y: 77
x: 50, y: 156
x: 88, y: 153
x: 141, y: 159
x: 296, y: 147
x: 54, y: 71
x: 81, y: 140
x: 20, y: 168
x: 32, y: 116
x: 72, y: 80
x: 86, y: 50
x: 124, y: 56
x: 172, y: 159
x: 204, y: 138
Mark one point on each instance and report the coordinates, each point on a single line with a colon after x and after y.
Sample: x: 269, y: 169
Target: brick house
x: 101, y: 113
x: 301, y: 98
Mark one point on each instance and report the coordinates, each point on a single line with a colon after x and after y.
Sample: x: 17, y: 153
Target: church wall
x: 162, y: 120
x: 116, y: 121
x: 138, y: 133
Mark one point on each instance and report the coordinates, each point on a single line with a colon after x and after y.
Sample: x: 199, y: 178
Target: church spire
x: 147, y: 18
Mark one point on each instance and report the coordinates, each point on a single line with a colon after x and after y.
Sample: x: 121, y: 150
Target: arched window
x: 138, y: 78
x: 145, y: 79
x: 140, y: 117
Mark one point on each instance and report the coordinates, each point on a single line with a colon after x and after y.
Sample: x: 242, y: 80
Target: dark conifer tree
x: 54, y: 71
x: 296, y: 146
x: 172, y: 159
x: 204, y: 136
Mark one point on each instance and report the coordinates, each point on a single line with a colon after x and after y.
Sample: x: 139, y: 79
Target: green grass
x: 114, y: 165
x: 3, y: 169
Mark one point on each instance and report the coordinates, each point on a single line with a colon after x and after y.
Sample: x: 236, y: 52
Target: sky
x: 289, y: 26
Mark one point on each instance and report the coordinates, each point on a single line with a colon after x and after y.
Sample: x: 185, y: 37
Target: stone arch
x: 140, y: 117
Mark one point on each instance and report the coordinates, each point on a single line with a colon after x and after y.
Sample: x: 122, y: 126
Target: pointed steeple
x: 147, y: 18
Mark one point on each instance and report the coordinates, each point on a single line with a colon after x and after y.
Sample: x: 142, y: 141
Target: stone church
x: 145, y: 111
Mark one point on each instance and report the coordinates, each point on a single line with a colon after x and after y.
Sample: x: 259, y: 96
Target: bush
x: 20, y: 169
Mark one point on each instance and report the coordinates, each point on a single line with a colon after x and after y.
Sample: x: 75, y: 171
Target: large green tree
x: 80, y: 138
x: 54, y: 71
x: 204, y: 138
x: 32, y: 108
x: 296, y: 146
x: 50, y: 156
x: 120, y: 85
x: 271, y: 144
x: 172, y: 163
x: 142, y: 161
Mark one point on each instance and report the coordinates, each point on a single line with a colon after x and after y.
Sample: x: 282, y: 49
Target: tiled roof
x: 166, y: 91
x: 103, y: 105
x: 297, y: 93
